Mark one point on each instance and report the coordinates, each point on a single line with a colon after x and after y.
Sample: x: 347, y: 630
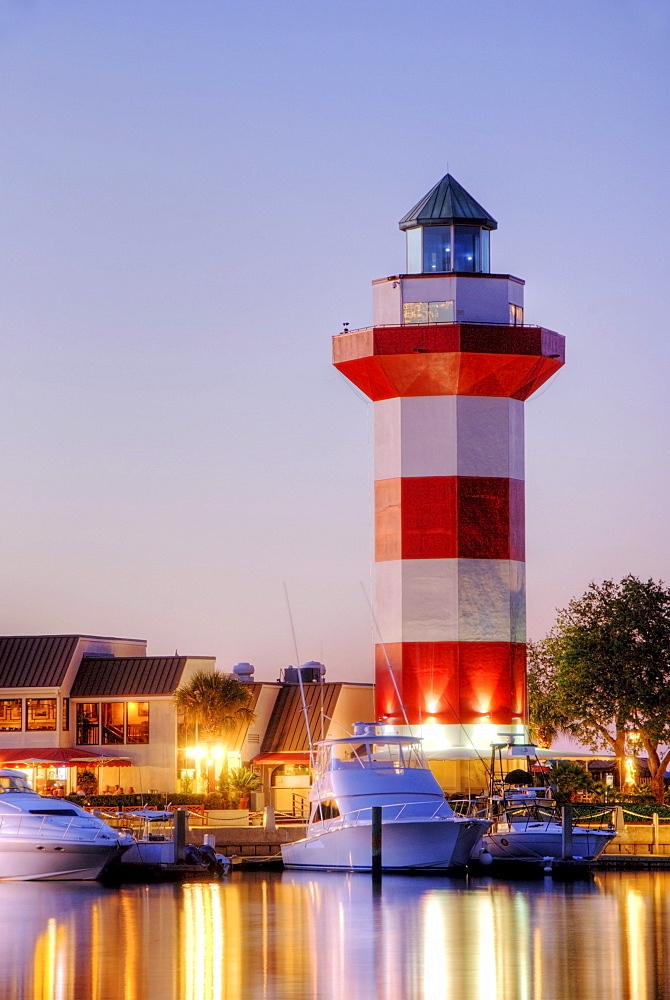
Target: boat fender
x: 485, y: 857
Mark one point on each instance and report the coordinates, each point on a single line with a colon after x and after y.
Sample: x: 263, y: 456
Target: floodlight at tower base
x: 462, y: 742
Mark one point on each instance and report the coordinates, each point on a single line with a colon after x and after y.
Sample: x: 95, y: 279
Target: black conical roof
x: 447, y: 204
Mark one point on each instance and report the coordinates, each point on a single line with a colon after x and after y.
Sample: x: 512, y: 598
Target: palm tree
x: 215, y: 703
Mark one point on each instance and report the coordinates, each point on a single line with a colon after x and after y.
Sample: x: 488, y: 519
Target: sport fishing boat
x: 370, y: 768
x: 53, y: 839
x: 528, y: 828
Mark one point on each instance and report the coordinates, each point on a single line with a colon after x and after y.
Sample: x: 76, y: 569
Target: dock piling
x: 376, y: 832
x: 566, y: 838
x: 180, y: 832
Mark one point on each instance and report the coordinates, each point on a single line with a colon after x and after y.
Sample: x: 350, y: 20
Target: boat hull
x: 28, y: 861
x: 538, y: 845
x: 435, y: 844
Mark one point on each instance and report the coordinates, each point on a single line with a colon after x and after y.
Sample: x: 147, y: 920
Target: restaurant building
x: 75, y: 703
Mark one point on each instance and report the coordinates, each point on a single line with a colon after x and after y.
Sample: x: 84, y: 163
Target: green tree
x: 606, y: 667
x: 545, y: 718
x: 238, y: 783
x: 569, y: 777
x: 215, y: 703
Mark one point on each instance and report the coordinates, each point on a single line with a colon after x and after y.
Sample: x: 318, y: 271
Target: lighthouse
x: 448, y: 364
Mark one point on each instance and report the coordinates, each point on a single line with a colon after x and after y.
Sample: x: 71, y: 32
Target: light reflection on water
x: 335, y: 937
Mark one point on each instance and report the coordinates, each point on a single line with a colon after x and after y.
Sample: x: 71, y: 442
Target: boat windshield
x: 379, y: 753
x: 13, y: 783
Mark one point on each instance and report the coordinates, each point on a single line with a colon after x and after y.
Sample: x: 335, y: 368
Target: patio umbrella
x: 60, y: 757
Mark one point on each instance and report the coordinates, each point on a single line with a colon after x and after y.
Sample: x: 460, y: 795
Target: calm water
x: 322, y: 936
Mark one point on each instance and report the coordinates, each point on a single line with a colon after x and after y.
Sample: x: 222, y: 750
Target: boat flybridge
x: 54, y: 839
x: 372, y: 768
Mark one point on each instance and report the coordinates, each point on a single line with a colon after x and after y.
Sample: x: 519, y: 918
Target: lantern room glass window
x: 467, y: 249
x: 437, y: 249
x: 443, y: 249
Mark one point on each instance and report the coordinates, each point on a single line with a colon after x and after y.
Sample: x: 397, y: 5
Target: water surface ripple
x: 327, y: 936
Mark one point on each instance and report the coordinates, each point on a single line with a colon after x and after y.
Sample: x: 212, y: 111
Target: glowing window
x: 88, y: 724
x: 415, y: 312
x: 40, y: 714
x: 112, y: 721
x: 10, y: 715
x: 137, y: 729
x: 515, y: 315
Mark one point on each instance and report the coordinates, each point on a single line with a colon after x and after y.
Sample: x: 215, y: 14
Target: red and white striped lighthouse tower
x: 448, y: 364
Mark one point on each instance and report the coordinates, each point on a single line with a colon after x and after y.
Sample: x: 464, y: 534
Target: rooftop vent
x: 311, y: 672
x: 244, y: 671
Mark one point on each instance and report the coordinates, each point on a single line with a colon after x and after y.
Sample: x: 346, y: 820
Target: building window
x: 415, y: 312
x: 88, y: 724
x: 441, y: 312
x: 138, y: 722
x: 515, y: 315
x: 65, y: 714
x: 428, y: 312
x: 40, y: 714
x: 10, y: 715
x: 112, y: 713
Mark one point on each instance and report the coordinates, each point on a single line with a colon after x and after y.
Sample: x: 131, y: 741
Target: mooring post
x: 654, y: 833
x: 619, y: 823
x: 180, y: 830
x: 566, y: 833
x: 376, y: 840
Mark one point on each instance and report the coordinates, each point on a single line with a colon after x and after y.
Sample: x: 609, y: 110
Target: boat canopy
x: 10, y: 781
x: 397, y: 752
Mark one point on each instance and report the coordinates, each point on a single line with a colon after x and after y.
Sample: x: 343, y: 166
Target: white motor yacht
x: 43, y: 838
x: 419, y: 828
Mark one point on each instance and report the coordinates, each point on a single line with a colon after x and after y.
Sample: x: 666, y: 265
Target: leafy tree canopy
x: 216, y: 702
x: 603, y: 672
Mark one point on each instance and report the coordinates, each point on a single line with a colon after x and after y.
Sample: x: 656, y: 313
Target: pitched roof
x: 286, y: 729
x: 236, y: 737
x: 35, y: 660
x: 446, y: 204
x: 127, y: 676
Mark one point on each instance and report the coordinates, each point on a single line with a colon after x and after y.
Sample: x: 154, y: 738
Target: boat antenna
x: 300, y: 683
x: 306, y: 715
x: 338, y: 724
x: 290, y: 618
x: 386, y: 657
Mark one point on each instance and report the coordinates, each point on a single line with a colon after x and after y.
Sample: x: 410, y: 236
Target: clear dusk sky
x: 195, y: 195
